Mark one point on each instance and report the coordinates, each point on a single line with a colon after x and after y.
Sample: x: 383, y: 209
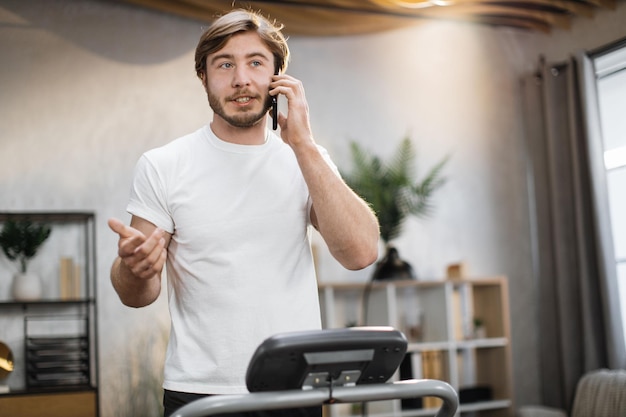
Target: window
x: 610, y: 70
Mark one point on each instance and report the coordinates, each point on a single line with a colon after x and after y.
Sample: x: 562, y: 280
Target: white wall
x: 87, y: 86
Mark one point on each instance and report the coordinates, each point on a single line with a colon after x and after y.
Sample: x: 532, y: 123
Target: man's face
x: 237, y: 80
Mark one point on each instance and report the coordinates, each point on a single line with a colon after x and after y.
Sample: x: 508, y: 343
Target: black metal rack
x: 60, y: 359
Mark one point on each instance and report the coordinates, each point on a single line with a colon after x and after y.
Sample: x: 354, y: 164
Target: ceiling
x: 348, y: 17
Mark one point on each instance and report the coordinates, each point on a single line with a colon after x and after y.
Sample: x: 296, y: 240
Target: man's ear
x: 202, y: 76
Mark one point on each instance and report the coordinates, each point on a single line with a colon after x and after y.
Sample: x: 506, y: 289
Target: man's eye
x: 226, y: 65
x: 256, y: 63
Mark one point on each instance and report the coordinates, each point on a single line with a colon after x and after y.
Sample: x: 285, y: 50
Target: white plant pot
x: 480, y: 332
x: 26, y: 287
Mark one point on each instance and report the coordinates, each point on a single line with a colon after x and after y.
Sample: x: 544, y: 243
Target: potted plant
x: 394, y: 193
x: 480, y: 331
x: 20, y: 240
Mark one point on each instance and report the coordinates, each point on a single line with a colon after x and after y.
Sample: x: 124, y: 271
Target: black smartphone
x: 274, y: 112
x: 275, y: 109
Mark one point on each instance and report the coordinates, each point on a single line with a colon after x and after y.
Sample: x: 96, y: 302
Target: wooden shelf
x: 438, y: 319
x: 50, y: 404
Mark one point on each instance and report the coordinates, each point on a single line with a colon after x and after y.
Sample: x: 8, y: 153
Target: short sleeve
x: 148, y: 196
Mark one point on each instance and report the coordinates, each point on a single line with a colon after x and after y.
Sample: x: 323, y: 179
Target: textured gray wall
x: 87, y: 86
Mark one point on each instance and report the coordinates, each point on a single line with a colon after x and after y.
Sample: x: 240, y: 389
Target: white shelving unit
x: 438, y: 318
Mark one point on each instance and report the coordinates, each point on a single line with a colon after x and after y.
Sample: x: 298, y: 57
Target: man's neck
x: 254, y: 135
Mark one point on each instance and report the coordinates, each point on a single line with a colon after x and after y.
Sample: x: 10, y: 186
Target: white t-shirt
x: 239, y: 265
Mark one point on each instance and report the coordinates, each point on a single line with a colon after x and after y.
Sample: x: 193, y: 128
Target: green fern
x: 391, y: 188
x: 21, y: 239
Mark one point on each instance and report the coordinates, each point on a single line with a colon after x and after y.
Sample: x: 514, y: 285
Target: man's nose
x: 240, y: 77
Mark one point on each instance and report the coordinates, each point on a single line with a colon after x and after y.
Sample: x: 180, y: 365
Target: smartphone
x: 274, y: 112
x: 275, y: 109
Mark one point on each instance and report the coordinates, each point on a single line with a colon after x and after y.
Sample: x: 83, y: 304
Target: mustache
x: 241, y: 93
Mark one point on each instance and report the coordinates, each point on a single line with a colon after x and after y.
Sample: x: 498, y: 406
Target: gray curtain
x: 573, y: 251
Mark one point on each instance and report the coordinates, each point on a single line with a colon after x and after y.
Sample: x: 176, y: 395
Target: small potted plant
x: 480, y: 331
x: 20, y: 240
x: 394, y: 194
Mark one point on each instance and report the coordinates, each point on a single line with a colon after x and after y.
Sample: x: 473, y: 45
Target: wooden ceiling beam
x: 203, y: 12
x: 507, y: 21
x: 606, y: 4
x: 469, y: 11
x: 577, y: 8
x: 331, y: 16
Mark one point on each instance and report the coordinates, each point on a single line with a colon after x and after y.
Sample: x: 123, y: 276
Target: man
x: 230, y: 208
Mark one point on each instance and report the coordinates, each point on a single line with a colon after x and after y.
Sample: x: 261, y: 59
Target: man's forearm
x: 133, y: 291
x: 345, y: 221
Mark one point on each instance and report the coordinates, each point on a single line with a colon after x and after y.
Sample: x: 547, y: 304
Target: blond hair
x: 237, y: 21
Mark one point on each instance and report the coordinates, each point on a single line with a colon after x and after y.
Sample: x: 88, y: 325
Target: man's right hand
x: 144, y: 256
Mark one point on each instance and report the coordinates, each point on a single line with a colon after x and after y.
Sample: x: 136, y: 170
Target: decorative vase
x: 391, y: 267
x: 26, y: 287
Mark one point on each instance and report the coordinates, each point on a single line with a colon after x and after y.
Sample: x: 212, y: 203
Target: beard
x: 244, y: 119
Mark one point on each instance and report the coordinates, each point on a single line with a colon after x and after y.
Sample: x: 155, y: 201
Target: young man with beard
x: 228, y: 211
